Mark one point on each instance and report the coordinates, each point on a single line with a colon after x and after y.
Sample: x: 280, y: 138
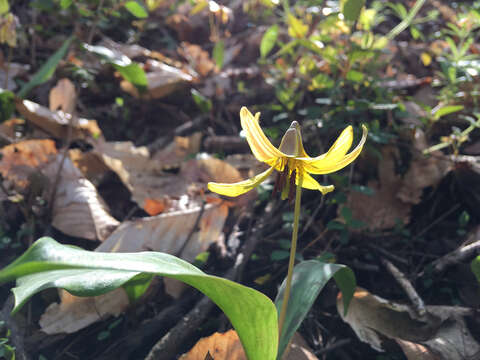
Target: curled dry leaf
x: 74, y: 313
x: 227, y: 346
x: 168, y: 232
x: 18, y: 161
x: 163, y: 80
x: 56, y: 122
x: 198, y: 58
x: 424, y: 170
x: 145, y: 177
x: 382, y: 210
x: 394, y: 195
x: 441, y: 334
x: 78, y: 209
x: 63, y: 96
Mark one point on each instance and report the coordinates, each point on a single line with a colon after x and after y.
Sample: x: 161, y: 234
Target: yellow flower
x: 290, y: 159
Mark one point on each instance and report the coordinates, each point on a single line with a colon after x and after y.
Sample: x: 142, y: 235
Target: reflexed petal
x: 312, y: 184
x: 339, y: 148
x: 261, y: 147
x: 241, y: 187
x: 331, y: 161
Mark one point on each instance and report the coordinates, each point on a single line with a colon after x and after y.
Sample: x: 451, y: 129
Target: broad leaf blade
x: 49, y: 264
x: 309, y: 278
x: 47, y: 69
x: 268, y: 40
x: 351, y: 9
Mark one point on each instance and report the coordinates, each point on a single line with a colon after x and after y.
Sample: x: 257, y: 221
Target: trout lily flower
x: 291, y: 161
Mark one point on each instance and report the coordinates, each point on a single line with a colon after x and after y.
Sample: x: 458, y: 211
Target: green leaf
x: 268, y: 40
x: 65, y: 4
x: 218, y: 53
x: 445, y: 110
x: 133, y: 73
x: 475, y: 266
x: 7, y: 104
x: 351, y: 9
x: 130, y: 71
x: 309, y: 278
x: 204, y: 104
x: 4, y: 7
x: 47, y: 70
x: 136, y: 9
x: 355, y: 76
x: 48, y: 264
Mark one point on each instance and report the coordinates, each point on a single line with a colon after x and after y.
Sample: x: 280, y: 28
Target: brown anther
x: 280, y: 180
x: 291, y: 190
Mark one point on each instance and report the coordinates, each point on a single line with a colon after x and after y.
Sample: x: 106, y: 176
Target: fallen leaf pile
x: 440, y: 334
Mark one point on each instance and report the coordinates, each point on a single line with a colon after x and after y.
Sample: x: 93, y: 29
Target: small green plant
x: 7, y: 351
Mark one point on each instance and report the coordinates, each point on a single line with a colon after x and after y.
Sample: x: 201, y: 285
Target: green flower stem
x: 293, y: 250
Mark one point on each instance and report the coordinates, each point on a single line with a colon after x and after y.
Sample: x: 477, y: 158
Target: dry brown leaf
x: 90, y: 164
x: 56, y: 123
x: 154, y: 207
x: 415, y: 351
x: 227, y: 346
x: 78, y: 209
x: 177, y: 151
x: 441, y: 334
x: 382, y: 210
x: 162, y: 80
x: 168, y: 232
x: 63, y: 96
x: 424, y: 170
x: 197, y: 58
x: 19, y: 161
x: 74, y: 313
x: 145, y: 176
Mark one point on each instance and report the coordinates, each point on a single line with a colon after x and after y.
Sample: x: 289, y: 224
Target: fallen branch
x: 417, y: 302
x: 461, y: 254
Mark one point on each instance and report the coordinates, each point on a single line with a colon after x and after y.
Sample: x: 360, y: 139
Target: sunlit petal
x: 331, y: 162
x: 261, y: 147
x: 339, y: 148
x: 309, y: 182
x: 241, y: 187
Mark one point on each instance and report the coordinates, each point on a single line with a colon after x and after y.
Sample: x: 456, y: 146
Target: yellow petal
x: 241, y: 187
x: 309, y: 182
x: 339, y: 147
x: 335, y: 159
x: 261, y: 147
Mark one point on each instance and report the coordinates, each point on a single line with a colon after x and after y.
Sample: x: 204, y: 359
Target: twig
x: 7, y: 70
x: 313, y: 216
x: 146, y: 332
x: 388, y: 254
x: 458, y: 255
x: 334, y: 346
x: 60, y: 167
x: 95, y: 22
x: 407, y: 286
x: 168, y: 345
